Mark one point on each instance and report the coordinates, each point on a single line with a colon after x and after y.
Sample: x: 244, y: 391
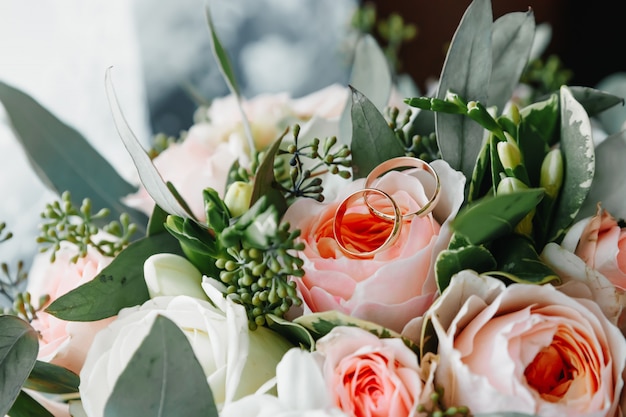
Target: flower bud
x: 509, y: 185
x: 551, y: 177
x: 237, y: 198
x: 167, y: 274
x: 509, y: 154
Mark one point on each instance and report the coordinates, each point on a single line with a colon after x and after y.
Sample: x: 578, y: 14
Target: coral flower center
x: 551, y: 372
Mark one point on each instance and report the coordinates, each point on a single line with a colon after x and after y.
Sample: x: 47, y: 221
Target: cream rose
x: 235, y: 360
x: 204, y: 158
x: 64, y: 343
x: 525, y: 348
x: 395, y: 285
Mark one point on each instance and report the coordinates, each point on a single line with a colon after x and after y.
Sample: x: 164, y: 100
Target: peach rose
x: 64, y: 343
x: 601, y: 243
x: 368, y: 376
x: 204, y: 158
x: 397, y: 284
x: 525, y: 348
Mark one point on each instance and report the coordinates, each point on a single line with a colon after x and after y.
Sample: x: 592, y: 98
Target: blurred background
x: 58, y: 52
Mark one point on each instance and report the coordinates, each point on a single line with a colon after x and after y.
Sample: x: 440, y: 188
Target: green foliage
x: 163, y: 378
x: 307, y: 163
x: 64, y: 222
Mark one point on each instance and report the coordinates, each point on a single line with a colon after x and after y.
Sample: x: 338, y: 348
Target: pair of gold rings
x: 354, y: 237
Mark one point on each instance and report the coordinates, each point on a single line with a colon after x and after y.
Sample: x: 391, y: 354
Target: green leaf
x: 162, y: 378
x: 595, y: 101
x: 46, y: 377
x: 452, y: 261
x: 156, y: 224
x: 229, y: 75
x: 373, y: 141
x: 518, y: 261
x: 543, y: 116
x: 63, y: 159
x: 466, y: 72
x: 613, y: 119
x: 292, y: 331
x: 482, y: 171
x: 27, y: 406
x: 149, y: 175
x: 609, y: 180
x: 119, y: 285
x: 578, y: 154
x: 320, y: 324
x: 264, y: 178
x: 372, y: 76
x: 505, y: 414
x: 19, y: 346
x: 492, y: 217
x: 512, y: 40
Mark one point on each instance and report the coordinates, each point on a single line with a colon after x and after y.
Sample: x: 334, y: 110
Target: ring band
x: 406, y: 161
x: 350, y: 249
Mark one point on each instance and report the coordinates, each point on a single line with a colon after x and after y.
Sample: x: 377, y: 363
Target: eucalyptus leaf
x: 373, y: 141
x: 492, y: 217
x: 149, y: 175
x: 121, y: 284
x: 578, y: 152
x: 609, y: 180
x: 63, y: 159
x: 27, y: 406
x: 466, y: 72
x: 162, y: 378
x: 452, y: 261
x: 613, y: 119
x: 372, y: 76
x: 19, y: 346
x: 512, y: 41
x: 156, y: 224
x: 47, y: 377
x: 595, y: 101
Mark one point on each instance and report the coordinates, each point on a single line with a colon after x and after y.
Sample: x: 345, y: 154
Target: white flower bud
x: 170, y: 275
x: 237, y: 197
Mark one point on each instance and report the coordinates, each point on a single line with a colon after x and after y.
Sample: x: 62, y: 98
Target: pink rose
x: 525, y: 348
x: 395, y: 285
x: 368, y: 376
x: 591, y: 254
x: 64, y: 343
x: 601, y: 243
x: 204, y: 158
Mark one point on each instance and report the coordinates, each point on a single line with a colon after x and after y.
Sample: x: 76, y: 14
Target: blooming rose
x: 368, y: 376
x: 302, y: 392
x: 204, y: 158
x: 64, y: 343
x: 396, y: 284
x: 525, y: 348
x: 235, y: 360
x: 601, y: 243
x: 590, y: 254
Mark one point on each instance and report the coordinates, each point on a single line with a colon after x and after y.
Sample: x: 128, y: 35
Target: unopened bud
x: 551, y: 178
x: 509, y: 185
x: 237, y: 198
x: 509, y: 154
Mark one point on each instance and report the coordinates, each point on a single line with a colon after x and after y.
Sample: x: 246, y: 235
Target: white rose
x: 302, y: 392
x: 235, y: 360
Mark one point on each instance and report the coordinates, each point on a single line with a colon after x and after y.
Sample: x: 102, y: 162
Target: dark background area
x: 586, y: 35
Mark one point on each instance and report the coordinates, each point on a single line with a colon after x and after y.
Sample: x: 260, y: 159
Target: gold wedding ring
x: 406, y: 162
x: 372, y: 198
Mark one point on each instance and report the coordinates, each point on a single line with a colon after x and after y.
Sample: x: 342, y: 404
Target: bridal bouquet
x: 354, y: 252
